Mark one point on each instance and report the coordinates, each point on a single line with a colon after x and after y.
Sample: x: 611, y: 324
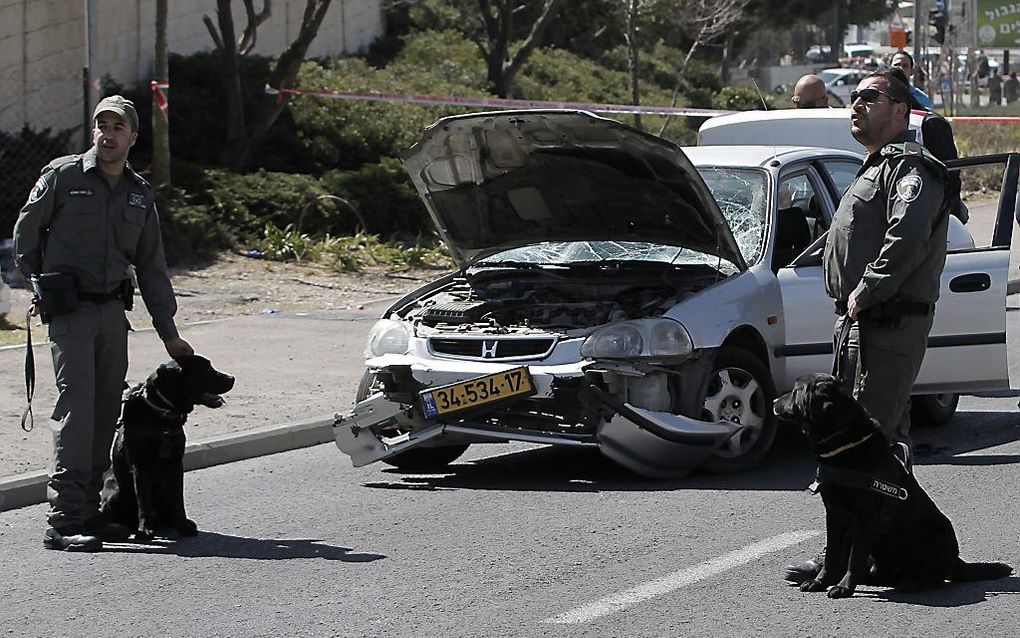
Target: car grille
x: 493, y: 349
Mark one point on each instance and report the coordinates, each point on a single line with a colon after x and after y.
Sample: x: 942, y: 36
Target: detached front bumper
x: 650, y: 443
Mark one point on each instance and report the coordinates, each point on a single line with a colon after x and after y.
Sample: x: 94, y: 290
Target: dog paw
x: 812, y: 585
x: 169, y: 533
x: 840, y: 591
x: 143, y: 536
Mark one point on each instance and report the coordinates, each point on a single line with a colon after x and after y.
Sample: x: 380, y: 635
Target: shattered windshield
x: 742, y: 195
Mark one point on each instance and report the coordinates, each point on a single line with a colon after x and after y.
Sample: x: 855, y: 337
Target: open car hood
x: 501, y: 180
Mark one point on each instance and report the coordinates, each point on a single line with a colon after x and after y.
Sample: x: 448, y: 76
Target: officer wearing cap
x: 90, y: 217
x: 883, y: 261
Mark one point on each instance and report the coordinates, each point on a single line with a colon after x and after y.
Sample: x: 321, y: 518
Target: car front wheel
x: 740, y: 390
x: 421, y: 459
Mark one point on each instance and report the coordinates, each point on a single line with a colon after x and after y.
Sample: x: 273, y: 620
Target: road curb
x: 22, y: 490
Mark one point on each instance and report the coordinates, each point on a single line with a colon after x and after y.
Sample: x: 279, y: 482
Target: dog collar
x: 844, y: 448
x: 163, y: 412
x: 165, y: 400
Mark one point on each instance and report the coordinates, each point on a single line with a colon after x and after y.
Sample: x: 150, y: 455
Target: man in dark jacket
x: 89, y: 218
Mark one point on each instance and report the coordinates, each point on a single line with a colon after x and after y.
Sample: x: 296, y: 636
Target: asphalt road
x: 518, y: 540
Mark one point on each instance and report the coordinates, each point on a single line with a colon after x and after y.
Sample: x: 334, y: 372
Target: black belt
x: 893, y: 307
x: 100, y: 297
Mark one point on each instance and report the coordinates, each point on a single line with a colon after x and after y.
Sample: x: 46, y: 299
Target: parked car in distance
x: 839, y: 82
x: 617, y: 292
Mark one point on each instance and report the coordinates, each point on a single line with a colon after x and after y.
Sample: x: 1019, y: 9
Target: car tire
x: 741, y: 389
x: 422, y: 459
x: 933, y: 409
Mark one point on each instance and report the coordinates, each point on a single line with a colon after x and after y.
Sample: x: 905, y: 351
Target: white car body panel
x: 816, y: 128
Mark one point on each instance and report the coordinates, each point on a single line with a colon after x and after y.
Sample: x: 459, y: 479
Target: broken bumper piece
x: 653, y: 444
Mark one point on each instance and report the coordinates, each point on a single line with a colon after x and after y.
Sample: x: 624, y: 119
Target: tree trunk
x: 160, y: 122
x: 236, y: 129
x: 284, y: 76
x: 836, y: 31
x: 632, y: 57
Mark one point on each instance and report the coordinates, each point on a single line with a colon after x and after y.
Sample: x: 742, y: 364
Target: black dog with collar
x: 881, y: 526
x: 148, y: 450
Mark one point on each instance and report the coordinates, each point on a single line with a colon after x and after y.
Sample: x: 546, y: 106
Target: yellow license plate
x: 476, y: 392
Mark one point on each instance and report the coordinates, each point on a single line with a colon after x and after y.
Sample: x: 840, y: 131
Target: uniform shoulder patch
x: 41, y: 186
x: 909, y: 187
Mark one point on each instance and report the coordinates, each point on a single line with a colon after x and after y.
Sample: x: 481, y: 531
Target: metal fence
x: 23, y: 154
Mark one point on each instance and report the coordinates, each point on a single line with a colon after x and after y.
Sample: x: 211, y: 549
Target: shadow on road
x: 789, y: 466
x: 967, y: 433
x: 555, y: 469
x: 214, y: 544
x: 954, y: 594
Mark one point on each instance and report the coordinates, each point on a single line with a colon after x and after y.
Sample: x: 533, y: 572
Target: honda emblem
x: 489, y: 349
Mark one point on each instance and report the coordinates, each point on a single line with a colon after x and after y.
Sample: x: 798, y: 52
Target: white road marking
x: 670, y: 582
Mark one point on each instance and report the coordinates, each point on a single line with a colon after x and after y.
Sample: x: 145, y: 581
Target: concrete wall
x: 42, y: 47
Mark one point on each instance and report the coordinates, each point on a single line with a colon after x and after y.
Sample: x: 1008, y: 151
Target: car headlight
x: 387, y: 337
x: 642, y: 338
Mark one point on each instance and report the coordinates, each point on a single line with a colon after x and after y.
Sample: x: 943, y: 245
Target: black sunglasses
x: 870, y: 96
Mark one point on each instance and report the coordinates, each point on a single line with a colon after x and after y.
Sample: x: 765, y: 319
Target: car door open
x: 967, y: 345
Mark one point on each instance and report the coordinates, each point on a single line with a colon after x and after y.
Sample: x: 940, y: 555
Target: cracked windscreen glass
x: 743, y: 197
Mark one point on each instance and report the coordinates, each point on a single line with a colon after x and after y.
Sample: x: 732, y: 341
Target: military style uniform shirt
x: 75, y: 222
x: 888, y: 237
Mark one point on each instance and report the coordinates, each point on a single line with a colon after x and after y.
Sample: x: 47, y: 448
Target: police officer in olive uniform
x: 884, y: 256
x: 92, y: 217
x: 883, y: 263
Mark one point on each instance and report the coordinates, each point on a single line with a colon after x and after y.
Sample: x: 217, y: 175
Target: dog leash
x: 29, y: 374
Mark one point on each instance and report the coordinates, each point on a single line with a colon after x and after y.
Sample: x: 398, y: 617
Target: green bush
x: 740, y: 98
x: 344, y: 134
x: 385, y: 200
x: 190, y: 230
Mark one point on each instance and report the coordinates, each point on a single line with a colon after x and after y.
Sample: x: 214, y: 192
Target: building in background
x: 50, y: 50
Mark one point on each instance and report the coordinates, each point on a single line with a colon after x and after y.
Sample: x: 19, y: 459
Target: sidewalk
x: 294, y: 371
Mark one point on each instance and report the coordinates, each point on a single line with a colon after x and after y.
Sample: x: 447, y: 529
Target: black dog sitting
x: 148, y: 450
x: 882, y: 528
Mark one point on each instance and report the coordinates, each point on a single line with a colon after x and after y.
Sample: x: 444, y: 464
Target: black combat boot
x: 805, y: 570
x: 107, y: 531
x: 71, y: 539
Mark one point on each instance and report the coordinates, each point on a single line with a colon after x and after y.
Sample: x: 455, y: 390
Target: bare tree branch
x: 247, y: 42
x: 703, y: 21
x: 217, y: 42
x: 537, y: 29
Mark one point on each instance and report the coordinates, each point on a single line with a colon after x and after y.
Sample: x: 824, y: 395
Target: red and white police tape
x: 160, y: 96
x: 594, y: 107
x: 434, y: 100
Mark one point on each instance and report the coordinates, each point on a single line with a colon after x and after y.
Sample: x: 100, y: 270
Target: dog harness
x: 861, y: 480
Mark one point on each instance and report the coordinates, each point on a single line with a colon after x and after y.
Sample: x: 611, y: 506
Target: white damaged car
x: 618, y: 292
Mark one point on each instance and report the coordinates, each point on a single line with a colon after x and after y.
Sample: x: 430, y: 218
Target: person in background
x: 905, y: 62
x: 1011, y: 88
x: 994, y: 88
x: 89, y: 218
x: 810, y: 93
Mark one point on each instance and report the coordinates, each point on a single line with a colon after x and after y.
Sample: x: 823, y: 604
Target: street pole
x: 920, y: 33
